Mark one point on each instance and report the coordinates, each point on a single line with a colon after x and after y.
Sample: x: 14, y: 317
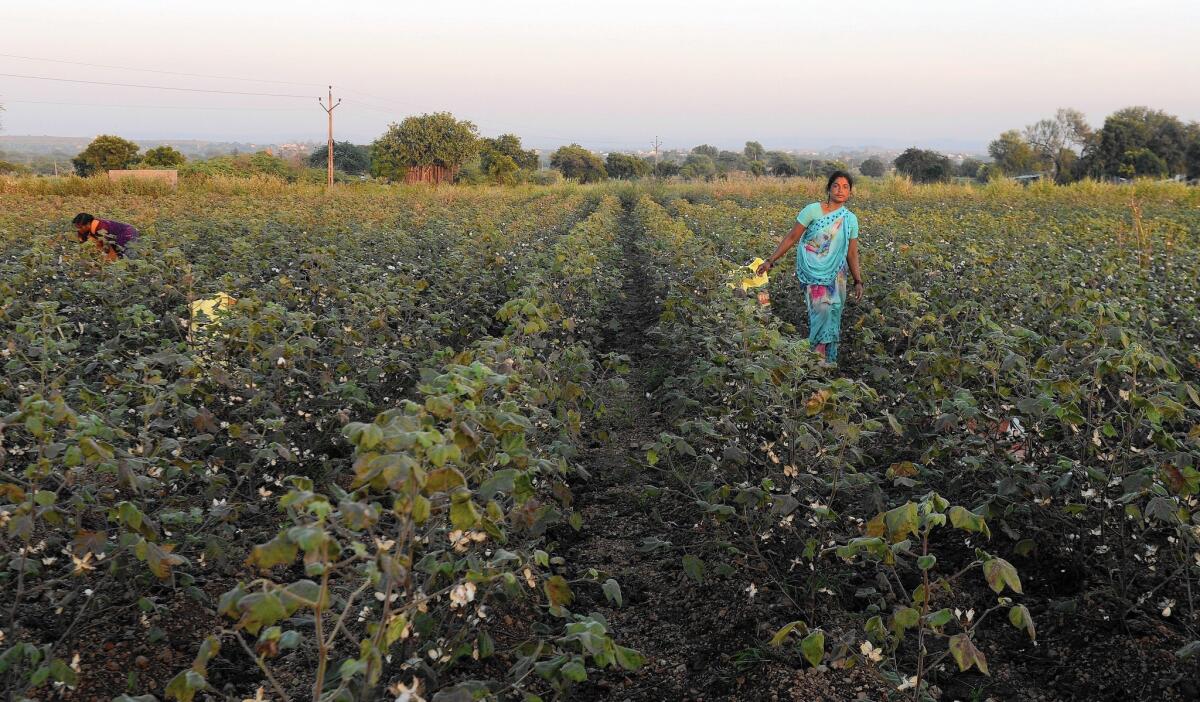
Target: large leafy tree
x: 754, y: 151
x: 349, y: 158
x: 626, y: 166
x: 782, y: 164
x: 436, y: 139
x: 872, y: 167
x: 1013, y: 155
x: 698, y: 165
x: 707, y: 150
x: 163, y: 157
x: 106, y: 153
x: 508, y: 145
x: 1060, y: 140
x: 578, y: 163
x: 924, y: 166
x: 1126, y: 133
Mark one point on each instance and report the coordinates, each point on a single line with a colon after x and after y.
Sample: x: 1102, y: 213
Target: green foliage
x: 163, y: 157
x: 872, y: 167
x: 105, y: 153
x: 754, y: 151
x: 924, y: 166
x: 1137, y: 141
x: 577, y: 163
x: 626, y: 166
x: 436, y: 139
x: 349, y: 158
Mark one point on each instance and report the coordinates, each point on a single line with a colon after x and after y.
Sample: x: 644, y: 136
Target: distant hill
x: 67, y: 147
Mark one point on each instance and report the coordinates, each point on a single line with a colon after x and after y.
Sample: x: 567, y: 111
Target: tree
x: 347, y: 158
x: 697, y: 166
x: 923, y: 166
x: 106, y: 153
x: 666, y: 169
x: 1058, y: 141
x: 578, y: 163
x: 1013, y: 154
x: 509, y: 145
x: 163, y: 157
x: 754, y: 151
x: 729, y: 161
x: 969, y: 168
x: 626, y: 166
x: 782, y: 164
x: 707, y: 150
x: 1118, y: 145
x: 872, y: 167
x: 1193, y: 157
x: 436, y: 139
x: 502, y: 169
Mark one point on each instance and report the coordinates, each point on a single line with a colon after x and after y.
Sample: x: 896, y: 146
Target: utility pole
x: 656, y: 144
x: 329, y: 111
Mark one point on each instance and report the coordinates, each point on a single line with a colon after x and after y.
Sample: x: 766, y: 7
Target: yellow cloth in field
x: 208, y: 306
x: 754, y: 281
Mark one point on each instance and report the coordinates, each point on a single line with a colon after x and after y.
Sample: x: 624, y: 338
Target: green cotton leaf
x: 443, y: 453
x: 813, y: 648
x: 278, y: 551
x: 694, y: 567
x: 926, y: 562
x: 612, y: 592
x: 628, y: 658
x: 260, y: 609
x: 781, y: 635
x: 906, y: 618
x: 939, y: 618
x: 463, y: 512
x: 444, y: 480
x: 44, y: 498
x: 574, y: 670
x: 962, y: 518
x: 1019, y: 617
x: 183, y: 687
x: 999, y: 573
x: 576, y: 521
x: 902, y: 521
x: 652, y: 457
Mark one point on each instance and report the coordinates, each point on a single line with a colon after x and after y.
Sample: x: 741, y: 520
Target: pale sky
x: 608, y: 75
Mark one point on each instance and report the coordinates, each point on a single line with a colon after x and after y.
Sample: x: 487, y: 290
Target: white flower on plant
x: 258, y: 696
x: 462, y: 594
x: 1166, y: 607
x: 752, y: 590
x: 870, y: 652
x: 529, y: 579
x: 908, y: 684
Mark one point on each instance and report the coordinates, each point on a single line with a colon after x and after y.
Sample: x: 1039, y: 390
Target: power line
x: 154, y: 70
x: 155, y: 107
x: 153, y: 87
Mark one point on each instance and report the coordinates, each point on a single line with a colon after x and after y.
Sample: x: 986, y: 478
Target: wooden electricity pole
x: 656, y: 144
x: 329, y: 111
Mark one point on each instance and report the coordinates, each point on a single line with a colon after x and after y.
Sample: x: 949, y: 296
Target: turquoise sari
x: 821, y: 267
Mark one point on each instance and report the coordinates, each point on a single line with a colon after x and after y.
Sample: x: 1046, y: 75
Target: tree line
x: 1134, y: 142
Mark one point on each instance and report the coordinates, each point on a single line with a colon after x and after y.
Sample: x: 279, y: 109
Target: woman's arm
x: 852, y: 259
x: 784, y: 246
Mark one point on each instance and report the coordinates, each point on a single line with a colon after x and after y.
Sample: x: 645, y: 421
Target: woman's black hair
x: 839, y: 174
x: 82, y: 218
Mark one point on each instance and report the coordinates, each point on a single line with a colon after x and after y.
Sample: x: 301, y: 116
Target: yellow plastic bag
x: 204, y: 312
x: 754, y: 281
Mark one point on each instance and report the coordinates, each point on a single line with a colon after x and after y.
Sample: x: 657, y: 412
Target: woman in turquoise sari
x: 828, y: 236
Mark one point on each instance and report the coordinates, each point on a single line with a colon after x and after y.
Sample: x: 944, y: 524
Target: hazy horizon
x: 789, y: 75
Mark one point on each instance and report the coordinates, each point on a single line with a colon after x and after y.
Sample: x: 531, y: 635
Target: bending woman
x: 828, y: 234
